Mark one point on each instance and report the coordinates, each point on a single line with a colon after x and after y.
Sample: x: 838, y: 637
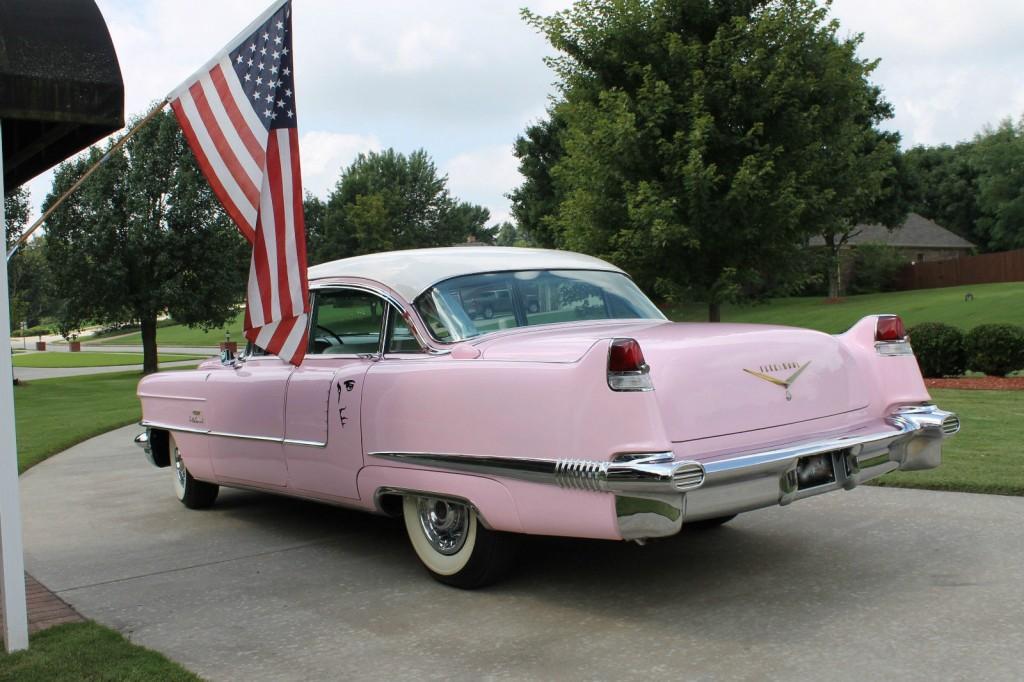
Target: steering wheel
x: 336, y: 337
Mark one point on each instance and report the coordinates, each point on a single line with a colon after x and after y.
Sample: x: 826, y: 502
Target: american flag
x: 238, y: 115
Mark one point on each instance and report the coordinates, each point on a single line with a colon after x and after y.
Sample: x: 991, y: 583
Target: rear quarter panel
x: 513, y: 409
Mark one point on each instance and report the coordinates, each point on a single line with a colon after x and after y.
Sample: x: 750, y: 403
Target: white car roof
x: 412, y: 272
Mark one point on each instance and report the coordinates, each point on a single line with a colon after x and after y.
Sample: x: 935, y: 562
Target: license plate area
x: 815, y: 470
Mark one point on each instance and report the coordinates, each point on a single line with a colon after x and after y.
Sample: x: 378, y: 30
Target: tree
x: 386, y: 201
x: 16, y: 212
x: 26, y: 282
x: 998, y: 157
x: 315, y: 210
x: 536, y: 200
x: 704, y: 141
x: 942, y: 184
x: 144, y: 235
x: 30, y: 285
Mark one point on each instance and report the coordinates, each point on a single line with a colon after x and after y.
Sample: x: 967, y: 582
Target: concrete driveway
x: 870, y: 584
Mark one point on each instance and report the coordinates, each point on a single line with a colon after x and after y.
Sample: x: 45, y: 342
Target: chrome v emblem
x: 784, y: 383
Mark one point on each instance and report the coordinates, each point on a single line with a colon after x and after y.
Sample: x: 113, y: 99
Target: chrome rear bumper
x: 909, y: 439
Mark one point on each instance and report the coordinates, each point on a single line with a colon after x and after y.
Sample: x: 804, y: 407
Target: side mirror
x: 227, y: 357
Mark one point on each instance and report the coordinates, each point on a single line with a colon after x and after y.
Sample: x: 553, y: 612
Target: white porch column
x: 12, y: 559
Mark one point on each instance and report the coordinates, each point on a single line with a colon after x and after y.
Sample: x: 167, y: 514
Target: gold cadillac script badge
x: 762, y: 372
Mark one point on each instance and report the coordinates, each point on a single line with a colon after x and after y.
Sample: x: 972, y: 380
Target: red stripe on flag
x: 259, y: 254
x: 227, y: 154
x: 300, y: 217
x: 281, y: 334
x: 284, y: 291
x: 235, y: 115
x: 210, y: 174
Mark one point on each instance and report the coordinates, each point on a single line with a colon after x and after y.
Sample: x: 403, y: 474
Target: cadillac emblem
x: 764, y: 372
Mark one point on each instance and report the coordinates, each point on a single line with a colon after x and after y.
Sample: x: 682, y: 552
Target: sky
x: 462, y: 78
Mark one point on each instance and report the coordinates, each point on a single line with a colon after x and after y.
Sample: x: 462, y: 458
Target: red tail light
x: 625, y: 356
x: 627, y: 369
x: 889, y: 328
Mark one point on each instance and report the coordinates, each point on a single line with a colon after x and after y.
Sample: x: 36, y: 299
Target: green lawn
x: 986, y: 456
x: 169, y: 334
x: 54, y: 414
x: 992, y: 303
x: 64, y: 359
x: 87, y: 651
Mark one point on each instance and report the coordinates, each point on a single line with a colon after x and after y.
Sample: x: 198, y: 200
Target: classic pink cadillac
x: 484, y: 392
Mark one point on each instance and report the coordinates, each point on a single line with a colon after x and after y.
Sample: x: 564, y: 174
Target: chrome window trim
x: 426, y: 344
x: 387, y: 298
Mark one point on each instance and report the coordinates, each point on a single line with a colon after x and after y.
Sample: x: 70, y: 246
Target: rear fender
x: 897, y: 378
x: 491, y: 499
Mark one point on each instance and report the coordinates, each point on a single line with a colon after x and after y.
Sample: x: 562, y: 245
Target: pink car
x: 576, y: 409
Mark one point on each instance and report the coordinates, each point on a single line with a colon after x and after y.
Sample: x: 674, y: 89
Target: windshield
x: 463, y: 307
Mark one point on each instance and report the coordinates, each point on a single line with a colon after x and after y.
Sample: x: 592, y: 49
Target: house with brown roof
x: 919, y: 239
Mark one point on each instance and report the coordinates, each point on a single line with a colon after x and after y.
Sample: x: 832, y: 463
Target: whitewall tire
x: 191, y: 493
x: 452, y: 544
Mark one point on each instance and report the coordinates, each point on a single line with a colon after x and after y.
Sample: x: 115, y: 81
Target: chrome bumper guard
x: 142, y: 440
x: 750, y: 481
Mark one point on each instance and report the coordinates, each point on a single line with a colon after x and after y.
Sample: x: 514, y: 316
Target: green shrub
x: 939, y: 349
x: 30, y: 332
x: 995, y: 349
x: 876, y: 267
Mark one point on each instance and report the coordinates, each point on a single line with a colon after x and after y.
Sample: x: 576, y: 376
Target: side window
x: 401, y: 339
x: 345, y: 322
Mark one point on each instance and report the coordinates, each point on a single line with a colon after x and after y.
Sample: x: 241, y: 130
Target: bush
x: 995, y: 349
x: 876, y: 267
x: 939, y: 349
x: 30, y: 332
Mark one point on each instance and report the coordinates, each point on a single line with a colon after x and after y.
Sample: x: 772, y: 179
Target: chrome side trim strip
x: 304, y: 443
x: 172, y: 397
x: 227, y: 434
x: 640, y: 472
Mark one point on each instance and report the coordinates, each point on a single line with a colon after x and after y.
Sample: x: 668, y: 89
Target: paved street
x: 871, y: 584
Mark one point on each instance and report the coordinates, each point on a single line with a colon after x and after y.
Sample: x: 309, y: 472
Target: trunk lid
x: 720, y: 379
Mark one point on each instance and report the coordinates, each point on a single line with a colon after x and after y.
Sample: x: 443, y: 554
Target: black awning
x: 60, y: 83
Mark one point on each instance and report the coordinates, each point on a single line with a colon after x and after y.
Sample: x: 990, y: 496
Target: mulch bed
x: 979, y: 383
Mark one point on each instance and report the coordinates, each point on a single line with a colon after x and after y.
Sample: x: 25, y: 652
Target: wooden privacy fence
x: 1005, y: 266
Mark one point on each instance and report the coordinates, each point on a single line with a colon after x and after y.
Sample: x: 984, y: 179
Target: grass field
x: 63, y: 359
x: 180, y: 335
x: 87, y: 651
x: 986, y: 456
x: 992, y: 303
x: 54, y: 414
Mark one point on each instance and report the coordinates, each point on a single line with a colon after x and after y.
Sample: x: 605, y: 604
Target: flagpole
x: 12, y: 556
x: 60, y: 200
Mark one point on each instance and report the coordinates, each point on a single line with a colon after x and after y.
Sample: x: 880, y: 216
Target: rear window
x: 464, y: 307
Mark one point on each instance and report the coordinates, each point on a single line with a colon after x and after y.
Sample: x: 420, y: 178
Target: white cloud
x: 483, y: 176
x: 949, y: 68
x: 325, y: 154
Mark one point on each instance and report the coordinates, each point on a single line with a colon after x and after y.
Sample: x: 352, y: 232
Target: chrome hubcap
x: 179, y: 468
x: 445, y: 523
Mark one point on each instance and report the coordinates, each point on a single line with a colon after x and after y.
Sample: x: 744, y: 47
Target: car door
x: 323, y: 444
x: 246, y: 419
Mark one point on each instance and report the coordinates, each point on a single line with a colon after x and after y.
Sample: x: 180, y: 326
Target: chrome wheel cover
x: 179, y: 467
x: 445, y: 523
